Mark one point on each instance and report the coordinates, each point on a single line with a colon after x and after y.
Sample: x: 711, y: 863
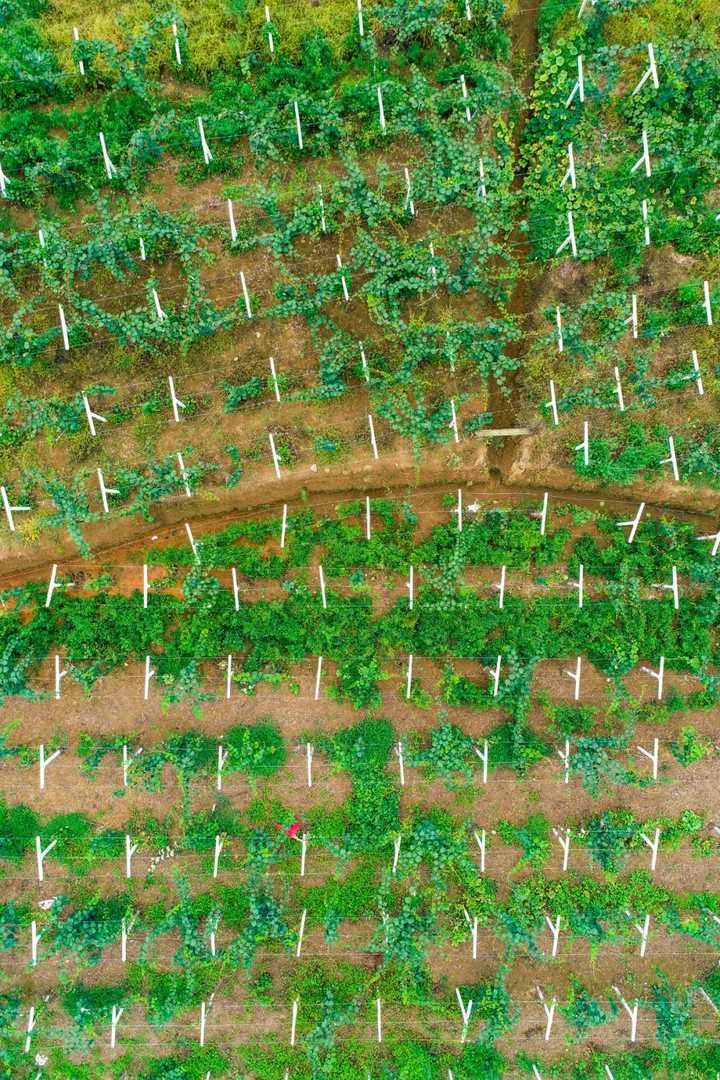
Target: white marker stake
x: 130, y: 850
x: 564, y: 756
x: 236, y: 588
x: 30, y: 1028
x: 63, y: 328
x: 40, y: 855
x: 228, y: 679
x: 76, y: 39
x: 473, y: 926
x: 564, y: 841
x: 115, y: 1015
x: 643, y: 930
x: 579, y: 87
x: 580, y: 585
x: 484, y: 756
x: 45, y: 762
x: 203, y: 1020
x: 401, y: 763
x: 127, y: 761
x: 715, y: 537
x: 433, y: 268
x: 468, y: 13
x: 158, y: 309
x: 552, y: 403
x: 275, y: 458
x: 303, y: 854
x: 298, y: 126
x: 408, y: 684
x: 271, y: 43
x: 644, y: 158
x: 363, y: 359
x: 219, y: 845
x: 184, y: 475
x: 150, y: 673
x: 453, y: 421
x: 361, y: 25
x: 125, y: 928
x: 378, y: 1009
x: 671, y: 587
x: 632, y: 524
x: 536, y: 1074
x: 632, y: 319
x: 409, y: 201
x: 109, y: 167
x: 585, y: 444
x: 558, y: 322
x: 569, y: 173
x: 143, y: 255
x: 658, y: 675
x: 575, y: 676
x: 480, y: 838
x: 10, y: 510
x: 697, y: 374
x: 178, y: 57
x: 632, y: 1013
x: 396, y: 852
x: 481, y: 187
x: 309, y: 752
x: 293, y: 1021
x: 463, y: 86
x: 105, y: 491
x: 654, y: 845
x: 318, y: 676
x: 222, y: 759
x: 570, y: 238
x: 465, y: 1012
x: 501, y: 588
x: 646, y: 222
x: 175, y: 400
x: 554, y: 928
x: 283, y: 526
x: 34, y: 942
x: 549, y: 1012
x: 301, y: 931
x: 381, y: 109
x: 411, y: 585
x: 707, y: 302
x: 273, y: 375
x: 619, y: 390
x: 53, y: 584
x: 544, y: 513
x: 193, y: 545
x: 59, y: 676
x: 323, y: 594
x: 496, y: 676
x: 207, y: 156
x: 368, y: 525
x: 4, y: 181
x: 373, y: 441
x: 346, y: 294
x: 246, y: 295
x: 459, y: 509
x: 672, y: 459
x: 231, y: 218
x: 92, y: 416
x: 650, y: 73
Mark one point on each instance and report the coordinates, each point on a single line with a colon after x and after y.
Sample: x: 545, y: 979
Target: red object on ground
x: 292, y: 830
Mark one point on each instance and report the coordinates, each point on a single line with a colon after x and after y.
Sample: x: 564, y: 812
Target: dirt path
x: 322, y: 492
